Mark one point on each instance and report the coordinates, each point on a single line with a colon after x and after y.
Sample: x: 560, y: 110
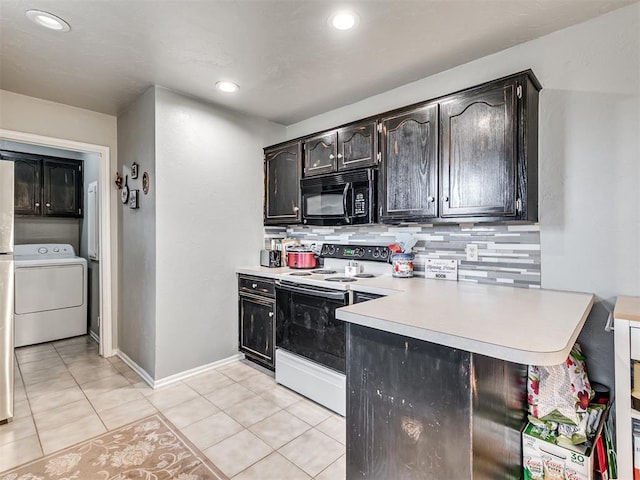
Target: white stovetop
x: 527, y: 326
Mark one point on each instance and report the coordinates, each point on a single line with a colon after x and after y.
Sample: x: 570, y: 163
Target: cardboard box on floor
x: 542, y: 459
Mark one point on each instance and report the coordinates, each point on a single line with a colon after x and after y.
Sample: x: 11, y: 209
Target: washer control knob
x: 56, y: 249
x: 43, y: 250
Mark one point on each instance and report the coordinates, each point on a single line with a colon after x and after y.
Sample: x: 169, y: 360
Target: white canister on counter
x: 402, y: 264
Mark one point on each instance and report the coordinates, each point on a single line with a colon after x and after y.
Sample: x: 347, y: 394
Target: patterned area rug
x: 150, y: 449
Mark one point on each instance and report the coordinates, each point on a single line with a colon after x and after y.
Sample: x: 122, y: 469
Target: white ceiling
x: 289, y: 63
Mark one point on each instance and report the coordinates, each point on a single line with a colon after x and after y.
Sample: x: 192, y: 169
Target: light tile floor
x: 249, y: 426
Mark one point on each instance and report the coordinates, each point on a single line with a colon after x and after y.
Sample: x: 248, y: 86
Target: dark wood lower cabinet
x: 421, y: 411
x: 257, y: 321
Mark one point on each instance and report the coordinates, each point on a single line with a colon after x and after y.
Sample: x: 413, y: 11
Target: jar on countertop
x: 402, y: 264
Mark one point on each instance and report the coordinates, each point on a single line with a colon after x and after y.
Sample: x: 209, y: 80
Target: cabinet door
x: 62, y: 188
x: 408, y: 187
x: 282, y: 185
x: 478, y: 148
x: 357, y: 146
x: 27, y: 187
x: 257, y: 328
x: 320, y: 154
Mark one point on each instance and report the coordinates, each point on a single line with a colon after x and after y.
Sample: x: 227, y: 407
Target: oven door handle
x: 331, y: 295
x: 345, y: 193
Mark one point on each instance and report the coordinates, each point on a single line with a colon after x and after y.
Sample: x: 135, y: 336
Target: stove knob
x: 359, y: 252
x: 332, y: 249
x: 384, y: 253
x: 376, y: 253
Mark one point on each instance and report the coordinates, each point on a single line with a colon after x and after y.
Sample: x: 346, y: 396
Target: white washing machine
x: 50, y: 293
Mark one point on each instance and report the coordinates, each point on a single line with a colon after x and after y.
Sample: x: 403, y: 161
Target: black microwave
x: 346, y: 198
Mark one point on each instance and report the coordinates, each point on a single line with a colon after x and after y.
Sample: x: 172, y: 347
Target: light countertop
x: 627, y: 308
x: 527, y: 326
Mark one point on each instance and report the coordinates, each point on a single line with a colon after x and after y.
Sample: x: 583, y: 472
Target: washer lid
x: 32, y: 261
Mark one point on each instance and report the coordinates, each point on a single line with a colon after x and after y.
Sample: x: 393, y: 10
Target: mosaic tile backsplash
x: 507, y: 254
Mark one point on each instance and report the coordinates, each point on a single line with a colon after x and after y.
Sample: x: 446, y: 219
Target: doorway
x: 106, y: 255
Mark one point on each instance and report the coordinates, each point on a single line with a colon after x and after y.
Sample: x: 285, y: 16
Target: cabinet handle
x: 339, y: 155
x: 445, y: 198
x: 331, y: 156
x: 270, y: 314
x: 296, y: 209
x: 431, y: 199
x: 37, y: 204
x: 48, y: 204
x: 254, y: 285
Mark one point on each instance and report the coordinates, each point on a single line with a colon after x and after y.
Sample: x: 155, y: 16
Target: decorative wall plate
x: 145, y: 183
x: 124, y: 194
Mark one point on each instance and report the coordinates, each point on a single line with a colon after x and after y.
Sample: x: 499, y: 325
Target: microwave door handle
x: 345, y: 193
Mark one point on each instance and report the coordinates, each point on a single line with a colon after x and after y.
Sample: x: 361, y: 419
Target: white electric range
x: 310, y: 341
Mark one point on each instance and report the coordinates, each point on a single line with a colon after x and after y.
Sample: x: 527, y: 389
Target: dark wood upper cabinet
x: 488, y: 152
x: 62, y: 188
x: 409, y: 168
x: 357, y: 146
x: 350, y: 147
x: 320, y: 154
x: 47, y: 186
x: 282, y: 165
x: 27, y: 187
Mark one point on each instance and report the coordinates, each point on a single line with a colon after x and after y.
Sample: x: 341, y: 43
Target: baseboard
x: 162, y: 382
x: 95, y: 336
x: 136, y: 368
x: 196, y: 371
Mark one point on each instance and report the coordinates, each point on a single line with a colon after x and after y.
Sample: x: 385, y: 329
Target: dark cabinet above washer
x: 46, y: 186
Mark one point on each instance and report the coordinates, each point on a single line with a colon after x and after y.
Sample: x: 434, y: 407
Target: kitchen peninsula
x: 436, y: 374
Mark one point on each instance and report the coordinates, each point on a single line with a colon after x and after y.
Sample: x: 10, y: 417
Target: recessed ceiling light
x: 343, y: 20
x: 228, y: 87
x: 48, y: 20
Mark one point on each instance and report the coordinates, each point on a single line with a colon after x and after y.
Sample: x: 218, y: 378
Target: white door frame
x: 106, y: 252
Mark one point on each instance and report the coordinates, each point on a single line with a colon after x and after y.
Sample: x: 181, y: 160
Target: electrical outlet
x: 472, y: 252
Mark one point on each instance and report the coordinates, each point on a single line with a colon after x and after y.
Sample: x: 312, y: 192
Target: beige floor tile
x: 70, y: 433
x: 39, y: 365
x: 230, y: 395
x: 281, y: 396
x: 104, y: 385
x: 313, y: 451
x: 54, y: 399
x: 252, y: 410
x: 167, y: 397
x: 211, y: 430
x: 238, y: 452
x: 336, y: 471
x: 19, y: 452
x: 273, y: 467
x: 127, y: 413
x: 310, y: 412
x: 48, y: 386
x: 17, y: 429
x: 55, y: 417
x: 190, y: 411
x: 85, y: 373
x: 208, y: 382
x: 80, y: 340
x: 279, y: 429
x: 115, y: 397
x: 53, y: 373
x: 238, y: 370
x: 259, y: 383
x: 335, y: 427
x: 21, y: 409
x: 26, y: 354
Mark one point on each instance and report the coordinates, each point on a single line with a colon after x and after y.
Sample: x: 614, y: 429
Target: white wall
x: 21, y: 113
x: 589, y: 155
x: 137, y: 236
x: 209, y: 172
